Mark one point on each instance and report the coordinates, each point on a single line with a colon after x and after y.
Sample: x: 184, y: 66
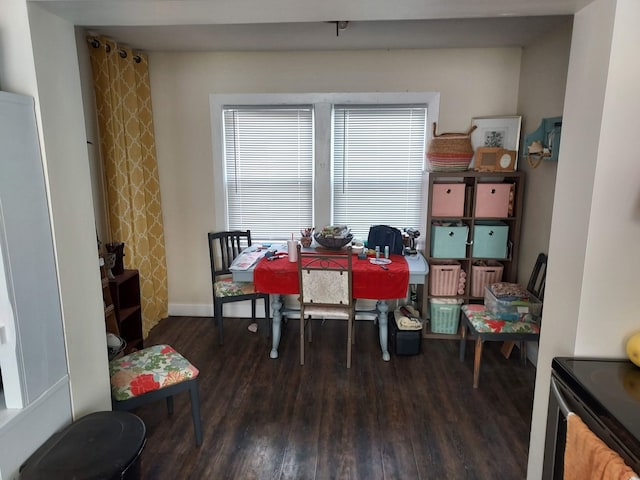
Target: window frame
x: 322, y: 104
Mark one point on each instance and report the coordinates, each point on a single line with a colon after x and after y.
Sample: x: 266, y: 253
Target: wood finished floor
x: 414, y: 417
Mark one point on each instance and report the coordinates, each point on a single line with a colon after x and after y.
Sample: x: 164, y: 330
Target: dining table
x: 269, y: 268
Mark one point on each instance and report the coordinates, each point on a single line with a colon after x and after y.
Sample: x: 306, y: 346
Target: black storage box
x: 98, y: 446
x: 403, y: 342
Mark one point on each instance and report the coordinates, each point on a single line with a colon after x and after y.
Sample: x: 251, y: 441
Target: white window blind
x: 377, y: 163
x: 268, y: 167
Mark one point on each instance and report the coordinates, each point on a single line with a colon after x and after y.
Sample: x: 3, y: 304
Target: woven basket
x: 449, y: 152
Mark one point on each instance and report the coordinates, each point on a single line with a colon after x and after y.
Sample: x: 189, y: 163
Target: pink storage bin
x: 447, y: 200
x: 444, y: 277
x: 492, y: 200
x: 485, y: 274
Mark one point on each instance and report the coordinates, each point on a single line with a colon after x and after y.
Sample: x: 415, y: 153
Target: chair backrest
x: 538, y: 277
x: 325, y: 279
x: 224, y: 247
x: 383, y: 235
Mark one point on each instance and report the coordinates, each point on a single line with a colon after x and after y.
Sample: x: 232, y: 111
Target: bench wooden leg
x: 463, y: 342
x: 476, y: 362
x: 507, y: 347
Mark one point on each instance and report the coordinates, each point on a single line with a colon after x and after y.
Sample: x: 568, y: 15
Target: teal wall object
x: 548, y: 134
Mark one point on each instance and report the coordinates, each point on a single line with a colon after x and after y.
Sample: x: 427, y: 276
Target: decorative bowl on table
x: 332, y: 243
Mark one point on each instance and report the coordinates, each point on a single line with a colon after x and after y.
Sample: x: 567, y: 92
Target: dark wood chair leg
x: 195, y: 411
x: 169, y: 401
x: 349, y: 339
x: 253, y: 310
x: 218, y: 317
x: 353, y: 332
x: 301, y: 338
x: 267, y: 318
x: 523, y: 352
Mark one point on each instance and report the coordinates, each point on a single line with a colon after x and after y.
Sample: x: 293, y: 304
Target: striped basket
x: 450, y: 152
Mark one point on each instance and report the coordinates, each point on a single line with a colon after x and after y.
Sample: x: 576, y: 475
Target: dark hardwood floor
x: 414, y: 417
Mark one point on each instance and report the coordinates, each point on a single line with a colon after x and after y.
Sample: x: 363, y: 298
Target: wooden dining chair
x: 479, y: 323
x: 224, y: 247
x: 326, y: 291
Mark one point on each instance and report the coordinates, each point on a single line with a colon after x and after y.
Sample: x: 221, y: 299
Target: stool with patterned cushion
x: 479, y: 323
x: 485, y: 327
x: 151, y: 374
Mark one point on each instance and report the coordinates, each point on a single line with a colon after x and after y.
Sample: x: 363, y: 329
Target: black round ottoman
x: 101, y: 445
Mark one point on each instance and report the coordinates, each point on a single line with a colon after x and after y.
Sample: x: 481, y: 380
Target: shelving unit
x: 110, y: 321
x: 125, y: 292
x: 467, y: 186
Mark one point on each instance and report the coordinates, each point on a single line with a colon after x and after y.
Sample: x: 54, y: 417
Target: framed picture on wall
x: 496, y: 132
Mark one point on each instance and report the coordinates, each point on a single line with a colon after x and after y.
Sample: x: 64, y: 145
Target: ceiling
x: 396, y: 34
x: 262, y: 25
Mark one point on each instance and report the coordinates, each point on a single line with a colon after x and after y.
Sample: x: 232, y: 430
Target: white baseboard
x: 233, y: 310
x: 190, y: 310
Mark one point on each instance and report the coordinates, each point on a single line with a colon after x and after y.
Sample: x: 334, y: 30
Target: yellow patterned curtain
x: 127, y: 148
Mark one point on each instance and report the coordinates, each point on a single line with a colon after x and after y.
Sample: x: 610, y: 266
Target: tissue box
x: 511, y: 302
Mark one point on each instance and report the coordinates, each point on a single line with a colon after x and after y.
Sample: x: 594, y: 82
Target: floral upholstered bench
x: 481, y: 325
x: 151, y: 374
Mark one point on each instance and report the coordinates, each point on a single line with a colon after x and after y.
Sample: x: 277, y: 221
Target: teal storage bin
x: 490, y: 239
x: 445, y: 315
x: 449, y: 240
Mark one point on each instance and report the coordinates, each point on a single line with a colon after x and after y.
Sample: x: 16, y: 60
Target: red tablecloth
x: 369, y: 280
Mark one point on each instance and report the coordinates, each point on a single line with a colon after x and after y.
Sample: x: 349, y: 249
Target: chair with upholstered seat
x: 479, y: 323
x: 325, y: 283
x: 224, y: 247
x: 152, y: 374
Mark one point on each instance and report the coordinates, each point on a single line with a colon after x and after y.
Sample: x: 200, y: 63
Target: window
x: 269, y: 169
x: 290, y: 161
x: 378, y: 158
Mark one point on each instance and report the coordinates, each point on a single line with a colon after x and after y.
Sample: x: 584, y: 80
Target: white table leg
x: 383, y: 322
x: 276, y: 311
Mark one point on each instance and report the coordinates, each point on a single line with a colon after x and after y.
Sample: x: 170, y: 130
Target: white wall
x: 543, y: 79
x: 55, y: 86
x: 611, y: 281
x: 472, y: 82
x: 592, y: 280
x: 93, y: 141
x: 67, y: 168
x: 17, y: 74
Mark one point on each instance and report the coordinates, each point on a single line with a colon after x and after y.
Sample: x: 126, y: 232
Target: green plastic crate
x: 445, y: 315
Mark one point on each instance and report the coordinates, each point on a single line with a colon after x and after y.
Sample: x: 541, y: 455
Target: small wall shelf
x: 125, y: 292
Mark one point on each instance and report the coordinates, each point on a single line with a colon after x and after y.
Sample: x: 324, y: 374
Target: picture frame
x: 496, y: 132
